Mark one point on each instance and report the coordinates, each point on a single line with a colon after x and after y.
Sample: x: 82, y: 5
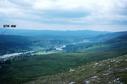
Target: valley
x: 63, y: 57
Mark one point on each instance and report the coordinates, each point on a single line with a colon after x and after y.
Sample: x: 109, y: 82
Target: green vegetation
x: 32, y: 67
x: 111, y: 71
x: 101, y: 60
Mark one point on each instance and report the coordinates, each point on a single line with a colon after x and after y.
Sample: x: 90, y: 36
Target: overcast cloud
x: 104, y: 15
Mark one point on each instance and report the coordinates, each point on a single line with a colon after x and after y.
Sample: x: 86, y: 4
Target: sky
x: 100, y: 15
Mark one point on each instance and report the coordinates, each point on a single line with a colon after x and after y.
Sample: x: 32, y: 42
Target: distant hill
x: 22, y: 40
x: 110, y: 41
x: 86, y: 33
x: 13, y: 43
x: 13, y: 40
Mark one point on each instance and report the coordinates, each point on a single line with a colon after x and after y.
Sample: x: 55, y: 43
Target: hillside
x: 110, y: 71
x: 14, y: 43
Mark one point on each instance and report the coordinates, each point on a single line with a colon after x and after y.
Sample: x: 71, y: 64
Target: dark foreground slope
x: 110, y: 71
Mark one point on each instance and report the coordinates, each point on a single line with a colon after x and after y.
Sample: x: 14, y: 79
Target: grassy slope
x: 33, y: 67
x: 110, y: 71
